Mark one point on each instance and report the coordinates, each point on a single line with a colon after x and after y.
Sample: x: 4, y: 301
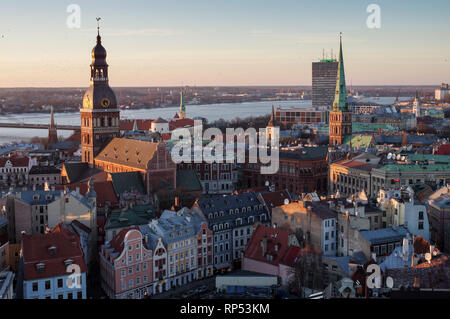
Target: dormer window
x: 68, y: 262
x: 52, y: 250
x: 40, y: 267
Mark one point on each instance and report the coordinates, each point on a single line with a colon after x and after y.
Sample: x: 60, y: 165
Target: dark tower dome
x: 99, y: 95
x: 99, y: 53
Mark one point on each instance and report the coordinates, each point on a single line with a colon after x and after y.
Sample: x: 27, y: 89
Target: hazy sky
x: 223, y: 42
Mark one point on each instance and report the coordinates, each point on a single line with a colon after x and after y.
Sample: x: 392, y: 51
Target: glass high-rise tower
x: 324, y: 75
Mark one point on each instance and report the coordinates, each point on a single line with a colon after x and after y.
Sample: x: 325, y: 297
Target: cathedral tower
x: 100, y: 115
x: 340, y: 117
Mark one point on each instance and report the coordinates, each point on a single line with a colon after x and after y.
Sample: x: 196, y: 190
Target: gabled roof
x: 181, y: 123
x: 76, y: 172
x: 104, y: 190
x: 36, y: 250
x: 15, y: 161
x: 159, y: 120
x: 128, y: 152
x: 116, y: 244
x: 142, y: 125
x: 127, y: 182
x: 277, y: 244
x: 274, y: 199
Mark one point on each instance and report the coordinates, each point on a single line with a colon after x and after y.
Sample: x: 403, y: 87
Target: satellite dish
x: 403, y: 158
x: 267, y: 183
x: 428, y: 257
x: 389, y: 156
x: 399, y: 157
x: 286, y: 201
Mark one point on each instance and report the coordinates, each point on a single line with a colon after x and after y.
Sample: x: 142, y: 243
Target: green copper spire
x: 340, y: 98
x: 182, y: 107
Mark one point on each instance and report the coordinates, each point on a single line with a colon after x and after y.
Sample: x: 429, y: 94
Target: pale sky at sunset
x: 226, y: 42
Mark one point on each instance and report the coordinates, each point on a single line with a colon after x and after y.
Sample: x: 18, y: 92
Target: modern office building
x: 324, y: 75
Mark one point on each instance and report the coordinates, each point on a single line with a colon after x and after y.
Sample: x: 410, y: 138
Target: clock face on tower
x: 106, y: 102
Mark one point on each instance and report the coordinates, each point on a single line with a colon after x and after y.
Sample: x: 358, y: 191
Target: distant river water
x: 212, y: 112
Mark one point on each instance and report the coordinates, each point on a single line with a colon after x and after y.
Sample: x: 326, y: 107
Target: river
x: 212, y: 112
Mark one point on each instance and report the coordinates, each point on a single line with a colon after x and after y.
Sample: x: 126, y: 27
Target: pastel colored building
x: 403, y: 209
x: 14, y: 171
x: 126, y: 266
x: 231, y: 219
x: 53, y: 266
x: 183, y: 248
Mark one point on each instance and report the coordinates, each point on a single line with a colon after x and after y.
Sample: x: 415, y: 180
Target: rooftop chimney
x: 264, y: 246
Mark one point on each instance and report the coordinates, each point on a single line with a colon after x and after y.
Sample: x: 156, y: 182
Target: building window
x: 80, y: 295
x: 60, y: 283
x: 35, y: 286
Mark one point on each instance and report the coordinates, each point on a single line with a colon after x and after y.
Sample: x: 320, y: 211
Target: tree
x: 307, y: 272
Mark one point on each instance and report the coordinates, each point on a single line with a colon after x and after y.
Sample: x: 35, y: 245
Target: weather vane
x: 98, y: 23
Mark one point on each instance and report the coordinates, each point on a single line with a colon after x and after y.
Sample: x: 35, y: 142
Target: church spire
x: 182, y: 107
x: 52, y: 131
x: 340, y: 98
x: 272, y: 121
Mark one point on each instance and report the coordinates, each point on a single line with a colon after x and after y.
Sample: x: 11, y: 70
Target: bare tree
x: 307, y: 272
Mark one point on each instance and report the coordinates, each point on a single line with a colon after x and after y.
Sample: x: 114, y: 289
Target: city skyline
x: 249, y: 44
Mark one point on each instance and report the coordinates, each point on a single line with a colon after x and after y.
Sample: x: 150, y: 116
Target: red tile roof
x: 75, y: 137
x: 160, y: 120
x: 104, y: 190
x: 275, y: 237
x: 143, y: 125
x: 180, y: 123
x: 274, y: 199
x: 117, y: 242
x: 294, y: 252
x: 83, y: 227
x: 356, y: 164
x: 291, y: 255
x: 444, y: 149
x: 36, y: 250
x: 15, y: 161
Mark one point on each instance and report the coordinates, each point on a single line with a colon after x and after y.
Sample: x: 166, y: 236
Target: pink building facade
x: 126, y: 266
x: 205, y: 252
